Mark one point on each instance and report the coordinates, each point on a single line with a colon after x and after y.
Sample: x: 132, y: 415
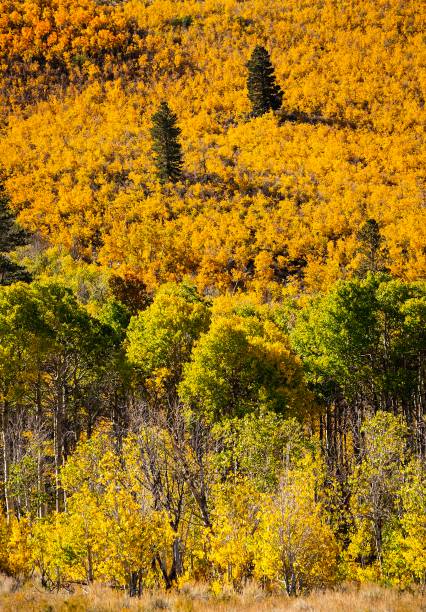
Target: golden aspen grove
x: 212, y: 305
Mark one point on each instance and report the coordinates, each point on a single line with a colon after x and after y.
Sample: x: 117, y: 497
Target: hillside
x: 261, y: 201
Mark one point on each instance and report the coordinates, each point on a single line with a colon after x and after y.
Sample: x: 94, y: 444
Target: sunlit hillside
x: 261, y: 201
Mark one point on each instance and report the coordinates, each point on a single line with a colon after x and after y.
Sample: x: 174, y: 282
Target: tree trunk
x: 58, y: 444
x: 8, y: 502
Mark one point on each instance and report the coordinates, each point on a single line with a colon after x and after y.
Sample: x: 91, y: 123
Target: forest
x: 212, y: 298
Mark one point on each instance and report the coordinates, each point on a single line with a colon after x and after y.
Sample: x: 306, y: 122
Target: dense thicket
x: 267, y: 200
x: 180, y: 447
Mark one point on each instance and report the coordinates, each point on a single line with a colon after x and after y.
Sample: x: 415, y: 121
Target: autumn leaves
x: 264, y: 95
x: 265, y: 204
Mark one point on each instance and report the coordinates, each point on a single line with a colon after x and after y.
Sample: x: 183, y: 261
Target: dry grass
x: 197, y: 598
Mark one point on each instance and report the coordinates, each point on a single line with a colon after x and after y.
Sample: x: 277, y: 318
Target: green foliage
x: 116, y: 316
x: 166, y: 145
x: 70, y: 326
x: 259, y: 446
x: 57, y: 367
x: 11, y: 236
x: 25, y: 337
x: 363, y: 332
x: 160, y: 338
x: 239, y: 365
x: 371, y: 248
x: 264, y: 92
x: 183, y: 22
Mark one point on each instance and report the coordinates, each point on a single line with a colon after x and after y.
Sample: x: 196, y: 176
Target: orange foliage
x: 264, y: 201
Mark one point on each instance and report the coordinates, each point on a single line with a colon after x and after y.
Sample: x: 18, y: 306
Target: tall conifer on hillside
x: 166, y: 146
x: 264, y: 92
x: 11, y: 236
x: 371, y: 248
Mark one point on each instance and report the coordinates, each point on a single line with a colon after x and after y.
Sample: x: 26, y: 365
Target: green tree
x: 166, y: 146
x: 11, y: 236
x: 57, y: 375
x: 24, y: 341
x: 371, y: 248
x: 240, y: 365
x: 160, y: 338
x: 365, y: 342
x: 263, y: 91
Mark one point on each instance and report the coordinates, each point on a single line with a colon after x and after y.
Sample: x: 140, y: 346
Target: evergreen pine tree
x: 371, y: 248
x: 264, y: 92
x: 11, y: 236
x: 166, y: 146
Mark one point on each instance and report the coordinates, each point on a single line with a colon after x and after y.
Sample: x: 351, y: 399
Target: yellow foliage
x: 263, y: 201
x: 4, y: 539
x: 294, y: 545
x: 272, y: 205
x: 18, y: 548
x: 237, y: 505
x: 107, y: 531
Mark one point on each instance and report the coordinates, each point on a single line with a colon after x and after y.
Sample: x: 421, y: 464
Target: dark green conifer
x: 166, y: 146
x: 264, y: 92
x: 371, y: 248
x: 11, y: 236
